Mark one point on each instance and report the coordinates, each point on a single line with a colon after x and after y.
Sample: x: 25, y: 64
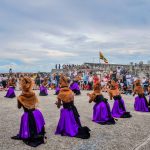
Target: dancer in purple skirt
x: 118, y: 110
x: 69, y: 123
x: 101, y: 109
x: 57, y: 89
x: 75, y: 86
x: 11, y: 90
x: 32, y: 130
x: 43, y: 88
x: 140, y: 103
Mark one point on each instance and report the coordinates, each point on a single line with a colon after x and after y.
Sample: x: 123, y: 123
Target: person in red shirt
x: 95, y: 79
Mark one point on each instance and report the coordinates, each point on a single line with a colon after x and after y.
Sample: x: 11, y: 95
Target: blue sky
x: 37, y: 34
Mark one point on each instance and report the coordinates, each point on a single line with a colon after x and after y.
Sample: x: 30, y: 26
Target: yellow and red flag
x: 101, y: 56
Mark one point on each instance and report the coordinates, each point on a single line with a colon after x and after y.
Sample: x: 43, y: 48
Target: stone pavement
x: 127, y: 134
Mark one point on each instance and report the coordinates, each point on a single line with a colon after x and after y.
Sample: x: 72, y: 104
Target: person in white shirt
x: 128, y: 79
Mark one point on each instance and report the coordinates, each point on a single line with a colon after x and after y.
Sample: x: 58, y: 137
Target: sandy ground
x: 127, y: 134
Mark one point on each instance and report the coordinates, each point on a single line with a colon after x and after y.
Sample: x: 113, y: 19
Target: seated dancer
x: 118, y: 110
x: 57, y: 89
x: 43, y: 88
x: 32, y: 130
x: 69, y: 122
x: 101, y: 109
x: 11, y: 90
x: 75, y: 86
x: 140, y: 103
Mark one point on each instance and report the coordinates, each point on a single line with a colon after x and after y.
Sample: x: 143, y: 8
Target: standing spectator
x: 118, y: 71
x: 143, y: 81
x: 114, y: 76
x: 128, y: 79
x: 57, y: 77
x: 85, y: 78
x: 59, y: 66
x: 75, y: 73
x: 145, y: 84
x: 0, y: 80
x: 56, y: 66
x: 37, y: 81
x: 4, y: 81
x: 90, y: 82
x: 53, y: 81
x: 95, y: 79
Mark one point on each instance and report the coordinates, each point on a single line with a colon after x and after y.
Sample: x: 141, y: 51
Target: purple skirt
x: 102, y: 114
x: 24, y: 125
x: 43, y: 91
x: 67, y: 124
x: 32, y: 130
x: 141, y: 104
x: 118, y: 109
x: 11, y: 92
x: 75, y: 88
x: 57, y: 90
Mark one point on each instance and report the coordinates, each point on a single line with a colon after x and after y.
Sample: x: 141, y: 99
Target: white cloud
x: 57, y: 53
x: 39, y: 33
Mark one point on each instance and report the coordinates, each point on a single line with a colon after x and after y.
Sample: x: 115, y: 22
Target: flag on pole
x: 101, y: 56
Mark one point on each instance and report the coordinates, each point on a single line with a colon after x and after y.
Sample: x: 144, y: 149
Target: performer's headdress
x: 137, y: 82
x: 97, y: 87
x: 45, y: 79
x: 26, y: 83
x: 64, y: 81
x: 28, y: 98
x: 113, y: 84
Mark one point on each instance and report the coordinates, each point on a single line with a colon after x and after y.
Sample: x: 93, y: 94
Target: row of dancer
x: 12, y: 85
x: 32, y: 127
x: 43, y: 88
x: 141, y: 103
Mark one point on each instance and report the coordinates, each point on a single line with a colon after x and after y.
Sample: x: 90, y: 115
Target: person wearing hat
x: 43, y: 87
x: 69, y: 123
x: 118, y: 110
x: 140, y: 103
x: 11, y: 90
x: 101, y: 109
x: 75, y: 85
x: 32, y: 130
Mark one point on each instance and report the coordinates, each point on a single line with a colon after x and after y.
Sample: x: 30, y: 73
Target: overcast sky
x: 36, y: 34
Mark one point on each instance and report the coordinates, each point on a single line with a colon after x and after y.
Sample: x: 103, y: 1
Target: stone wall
x: 135, y: 69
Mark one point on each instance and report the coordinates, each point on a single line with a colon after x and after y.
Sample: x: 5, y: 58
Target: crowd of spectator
x: 87, y: 79
x: 71, y: 66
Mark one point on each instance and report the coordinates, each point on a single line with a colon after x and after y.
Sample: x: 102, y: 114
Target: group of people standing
x: 32, y: 127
